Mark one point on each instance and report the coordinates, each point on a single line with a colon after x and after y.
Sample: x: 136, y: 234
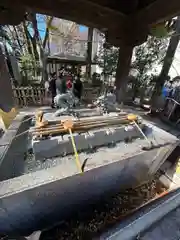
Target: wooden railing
x: 29, y: 96
x: 36, y: 96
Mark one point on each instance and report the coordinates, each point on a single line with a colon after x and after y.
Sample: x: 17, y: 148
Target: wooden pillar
x: 89, y: 52
x: 6, y: 92
x: 122, y: 71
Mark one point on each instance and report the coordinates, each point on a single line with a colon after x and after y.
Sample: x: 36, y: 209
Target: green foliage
x: 148, y: 54
x: 29, y: 69
x: 159, y: 31
x: 145, y: 57
x: 3, y: 35
x: 12, y: 36
x: 163, y: 29
x: 107, y: 59
x: 26, y: 61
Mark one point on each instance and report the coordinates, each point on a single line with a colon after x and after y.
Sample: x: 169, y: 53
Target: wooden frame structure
x: 114, y: 16
x: 126, y: 23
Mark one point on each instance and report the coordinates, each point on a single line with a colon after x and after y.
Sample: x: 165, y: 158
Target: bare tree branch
x: 48, y: 24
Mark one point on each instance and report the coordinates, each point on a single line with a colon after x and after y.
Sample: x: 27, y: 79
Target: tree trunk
x: 122, y: 71
x: 37, y: 41
x: 42, y: 50
x: 157, y: 101
x: 43, y: 65
x: 46, y: 37
x: 35, y: 50
x: 18, y: 40
x: 28, y: 41
x: 173, y: 43
x: 89, y: 53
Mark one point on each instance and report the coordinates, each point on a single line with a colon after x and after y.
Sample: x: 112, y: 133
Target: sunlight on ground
x: 7, y: 117
x: 178, y: 167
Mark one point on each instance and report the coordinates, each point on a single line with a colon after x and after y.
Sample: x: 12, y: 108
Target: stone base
x: 61, y: 146
x: 12, y: 149
x: 39, y: 200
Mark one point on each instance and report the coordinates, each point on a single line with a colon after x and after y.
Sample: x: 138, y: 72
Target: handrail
x: 173, y: 100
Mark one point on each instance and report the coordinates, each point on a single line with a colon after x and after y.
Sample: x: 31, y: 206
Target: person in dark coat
x: 77, y: 87
x: 52, y: 88
x: 61, y: 87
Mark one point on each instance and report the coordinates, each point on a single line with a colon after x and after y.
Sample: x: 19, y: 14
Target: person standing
x: 52, y: 88
x: 77, y: 87
x: 61, y: 87
x: 46, y: 86
x: 69, y: 82
x: 63, y: 98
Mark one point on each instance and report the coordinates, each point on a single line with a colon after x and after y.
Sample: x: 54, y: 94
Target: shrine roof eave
x: 119, y: 19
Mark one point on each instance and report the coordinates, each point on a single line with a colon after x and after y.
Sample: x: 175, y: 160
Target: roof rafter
x: 157, y: 12
x: 128, y: 29
x: 97, y: 16
x: 97, y: 5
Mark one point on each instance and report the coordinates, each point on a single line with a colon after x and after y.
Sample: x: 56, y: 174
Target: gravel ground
x: 103, y: 216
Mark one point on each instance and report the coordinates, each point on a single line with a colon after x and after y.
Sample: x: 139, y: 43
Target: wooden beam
x: 157, y: 12
x: 122, y: 71
x: 119, y: 6
x: 9, y: 16
x: 81, y: 11
x: 99, y: 6
x: 132, y: 36
x: 6, y: 96
x: 89, y: 53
